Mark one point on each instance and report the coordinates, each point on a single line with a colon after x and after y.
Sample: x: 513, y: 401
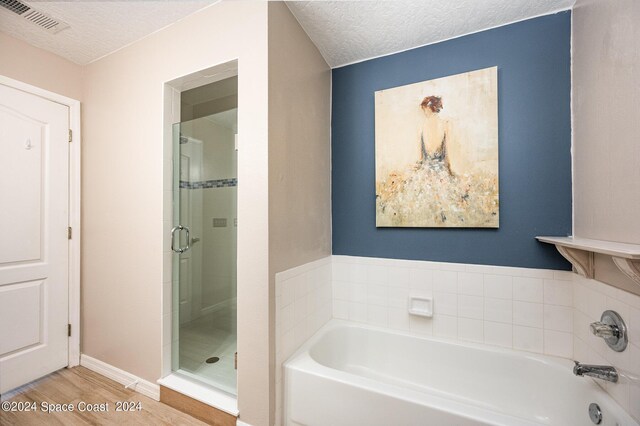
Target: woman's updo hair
x: 434, y: 103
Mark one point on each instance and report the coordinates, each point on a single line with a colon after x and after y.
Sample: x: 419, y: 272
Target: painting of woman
x: 445, y: 174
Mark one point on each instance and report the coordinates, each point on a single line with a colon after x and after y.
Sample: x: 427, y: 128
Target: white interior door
x: 34, y: 216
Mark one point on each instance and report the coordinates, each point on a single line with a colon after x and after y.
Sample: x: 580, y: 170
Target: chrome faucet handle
x: 612, y: 329
x: 603, y: 330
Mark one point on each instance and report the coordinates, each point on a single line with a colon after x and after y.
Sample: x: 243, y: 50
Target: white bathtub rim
x: 565, y: 364
x: 308, y: 365
x: 302, y: 361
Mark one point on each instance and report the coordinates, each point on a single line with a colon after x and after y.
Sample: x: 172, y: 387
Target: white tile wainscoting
x: 303, y: 306
x: 520, y: 308
x: 534, y: 310
x: 591, y: 298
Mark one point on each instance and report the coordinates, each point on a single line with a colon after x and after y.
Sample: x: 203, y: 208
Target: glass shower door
x: 204, y: 241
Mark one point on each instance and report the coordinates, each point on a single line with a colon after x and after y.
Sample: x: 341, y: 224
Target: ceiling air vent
x: 34, y: 16
x: 14, y: 6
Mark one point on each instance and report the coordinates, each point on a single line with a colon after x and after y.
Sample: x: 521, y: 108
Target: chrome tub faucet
x: 602, y: 372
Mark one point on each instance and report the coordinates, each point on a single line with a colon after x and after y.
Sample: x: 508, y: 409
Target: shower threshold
x: 190, y: 385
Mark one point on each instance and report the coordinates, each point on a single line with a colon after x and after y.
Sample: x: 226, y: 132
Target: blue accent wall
x: 534, y: 84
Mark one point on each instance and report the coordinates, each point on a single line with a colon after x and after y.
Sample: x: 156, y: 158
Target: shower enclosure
x: 204, y: 241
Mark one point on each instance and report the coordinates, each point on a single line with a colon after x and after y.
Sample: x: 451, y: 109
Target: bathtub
x: 351, y: 374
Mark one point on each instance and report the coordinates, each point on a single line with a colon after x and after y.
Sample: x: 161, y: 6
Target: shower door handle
x: 188, y: 246
x: 173, y: 238
x: 178, y: 229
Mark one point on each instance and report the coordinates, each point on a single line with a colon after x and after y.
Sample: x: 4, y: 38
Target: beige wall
x: 606, y: 119
x: 299, y: 145
x: 299, y: 153
x: 24, y: 62
x: 124, y: 165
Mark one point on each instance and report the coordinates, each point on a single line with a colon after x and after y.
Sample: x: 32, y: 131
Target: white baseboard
x: 145, y: 387
x: 241, y: 423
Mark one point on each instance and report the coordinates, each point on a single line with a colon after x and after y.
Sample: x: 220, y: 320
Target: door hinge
x: 70, y: 135
x: 69, y: 232
x: 235, y: 360
x: 69, y: 330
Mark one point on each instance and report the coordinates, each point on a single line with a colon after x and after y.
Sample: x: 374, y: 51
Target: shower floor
x: 211, y: 335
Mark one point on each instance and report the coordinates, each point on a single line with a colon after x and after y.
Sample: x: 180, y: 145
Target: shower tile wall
x: 214, y: 182
x: 219, y: 247
x: 219, y: 250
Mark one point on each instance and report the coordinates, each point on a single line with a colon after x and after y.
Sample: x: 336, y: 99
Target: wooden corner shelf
x: 580, y: 251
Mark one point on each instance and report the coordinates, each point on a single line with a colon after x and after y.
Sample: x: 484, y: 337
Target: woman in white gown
x: 433, y: 136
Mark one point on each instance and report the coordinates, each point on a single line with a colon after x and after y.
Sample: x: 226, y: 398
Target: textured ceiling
x: 344, y: 31
x: 97, y: 27
x: 351, y: 31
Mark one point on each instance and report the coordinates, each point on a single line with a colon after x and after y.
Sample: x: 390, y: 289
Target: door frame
x: 74, y: 207
x: 172, y: 93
